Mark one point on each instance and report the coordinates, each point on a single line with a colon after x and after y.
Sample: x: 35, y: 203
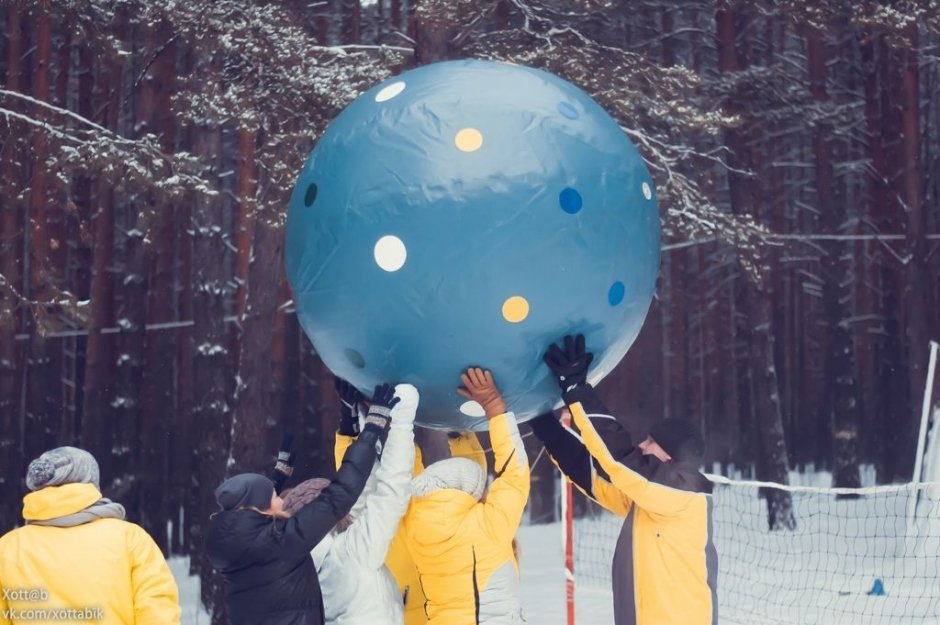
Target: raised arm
x: 314, y: 521
x: 646, y: 494
x: 567, y: 451
x: 367, y: 540
x: 507, y: 496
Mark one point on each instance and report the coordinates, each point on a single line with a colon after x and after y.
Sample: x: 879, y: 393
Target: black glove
x: 570, y: 366
x: 285, y: 462
x: 383, y: 400
x: 350, y: 397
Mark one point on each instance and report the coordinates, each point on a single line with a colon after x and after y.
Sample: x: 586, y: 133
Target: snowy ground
x: 543, y: 584
x: 818, y: 575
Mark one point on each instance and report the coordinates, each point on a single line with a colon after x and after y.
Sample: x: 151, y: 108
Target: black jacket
x: 269, y: 574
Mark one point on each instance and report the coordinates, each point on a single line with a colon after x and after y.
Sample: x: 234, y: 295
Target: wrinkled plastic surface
x: 440, y: 199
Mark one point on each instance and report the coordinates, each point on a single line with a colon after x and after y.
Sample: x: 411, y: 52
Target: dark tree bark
x: 11, y: 251
x: 253, y: 406
x: 352, y: 22
x: 44, y: 248
x: 158, y: 411
x: 773, y: 464
x: 245, y: 217
x: 914, y: 276
x: 100, y: 355
x: 839, y: 349
x: 433, y: 22
x: 211, y: 412
x: 867, y: 256
x: 895, y: 408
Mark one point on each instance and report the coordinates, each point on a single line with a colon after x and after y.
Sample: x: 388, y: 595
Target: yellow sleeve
x: 467, y: 445
x: 156, y: 598
x: 609, y: 496
x: 507, y: 497
x: 647, y: 495
x: 340, y: 445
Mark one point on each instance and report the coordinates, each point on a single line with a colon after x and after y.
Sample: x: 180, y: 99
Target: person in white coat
x: 357, y: 587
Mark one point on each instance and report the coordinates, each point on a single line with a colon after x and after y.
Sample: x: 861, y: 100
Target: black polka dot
x: 355, y: 358
x: 311, y: 195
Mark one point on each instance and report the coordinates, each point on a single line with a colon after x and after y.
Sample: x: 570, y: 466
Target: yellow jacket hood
x: 56, y: 501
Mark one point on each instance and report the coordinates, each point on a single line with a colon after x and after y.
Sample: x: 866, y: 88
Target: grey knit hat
x: 63, y: 465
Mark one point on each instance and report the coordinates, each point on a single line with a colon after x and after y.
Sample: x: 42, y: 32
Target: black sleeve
x: 566, y: 450
x: 315, y: 520
x: 588, y: 397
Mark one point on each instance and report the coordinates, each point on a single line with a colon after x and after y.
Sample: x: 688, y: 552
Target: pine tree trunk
x: 245, y: 217
x: 773, y: 463
x: 434, y: 29
x: 352, y: 22
x: 839, y: 349
x: 867, y: 286
x: 183, y: 447
x: 211, y: 413
x: 253, y: 407
x: 914, y: 276
x: 43, y: 382
x: 11, y: 242
x: 896, y: 404
x: 157, y: 397
x: 100, y: 349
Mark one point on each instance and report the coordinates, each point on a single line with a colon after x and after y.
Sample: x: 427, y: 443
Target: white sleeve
x: 368, y: 538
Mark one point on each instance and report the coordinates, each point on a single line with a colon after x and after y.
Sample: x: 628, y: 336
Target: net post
x: 922, y: 434
x: 567, y: 532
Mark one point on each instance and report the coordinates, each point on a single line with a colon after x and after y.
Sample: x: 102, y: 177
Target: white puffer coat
x: 357, y: 587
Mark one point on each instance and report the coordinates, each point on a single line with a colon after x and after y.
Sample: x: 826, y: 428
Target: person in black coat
x: 264, y: 554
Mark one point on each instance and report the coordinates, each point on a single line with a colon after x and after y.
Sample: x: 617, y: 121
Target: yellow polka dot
x: 469, y: 140
x: 515, y: 309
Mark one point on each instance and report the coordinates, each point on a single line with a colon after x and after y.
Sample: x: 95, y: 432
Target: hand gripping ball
x: 470, y: 213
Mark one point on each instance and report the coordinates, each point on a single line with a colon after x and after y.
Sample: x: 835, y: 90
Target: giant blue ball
x: 470, y: 213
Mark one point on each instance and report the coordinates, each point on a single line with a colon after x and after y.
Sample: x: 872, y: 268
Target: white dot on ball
x: 647, y: 192
x: 472, y: 409
x: 390, y: 253
x: 389, y: 92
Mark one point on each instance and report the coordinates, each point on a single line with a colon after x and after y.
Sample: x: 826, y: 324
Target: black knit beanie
x: 245, y: 489
x: 680, y: 439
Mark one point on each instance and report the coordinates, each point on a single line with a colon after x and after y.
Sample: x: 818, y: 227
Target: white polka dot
x: 389, y: 92
x: 647, y: 192
x: 390, y: 253
x: 472, y: 409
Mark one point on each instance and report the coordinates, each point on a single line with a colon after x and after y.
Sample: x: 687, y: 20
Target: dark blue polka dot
x: 355, y: 358
x: 311, y: 195
x: 567, y: 110
x: 570, y: 200
x: 616, y: 293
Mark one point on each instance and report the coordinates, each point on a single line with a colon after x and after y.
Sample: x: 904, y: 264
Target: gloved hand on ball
x: 569, y: 365
x: 383, y: 400
x: 479, y: 386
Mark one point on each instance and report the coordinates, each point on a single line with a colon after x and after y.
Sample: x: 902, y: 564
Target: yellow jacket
x: 109, y: 567
x: 462, y: 547
x: 665, y: 565
x: 398, y: 560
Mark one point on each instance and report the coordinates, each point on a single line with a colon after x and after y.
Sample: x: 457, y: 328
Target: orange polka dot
x: 515, y: 309
x: 469, y: 140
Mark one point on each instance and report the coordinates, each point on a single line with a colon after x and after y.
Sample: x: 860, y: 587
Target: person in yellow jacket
x: 398, y: 560
x: 77, y: 559
x: 665, y: 565
x: 460, y: 535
